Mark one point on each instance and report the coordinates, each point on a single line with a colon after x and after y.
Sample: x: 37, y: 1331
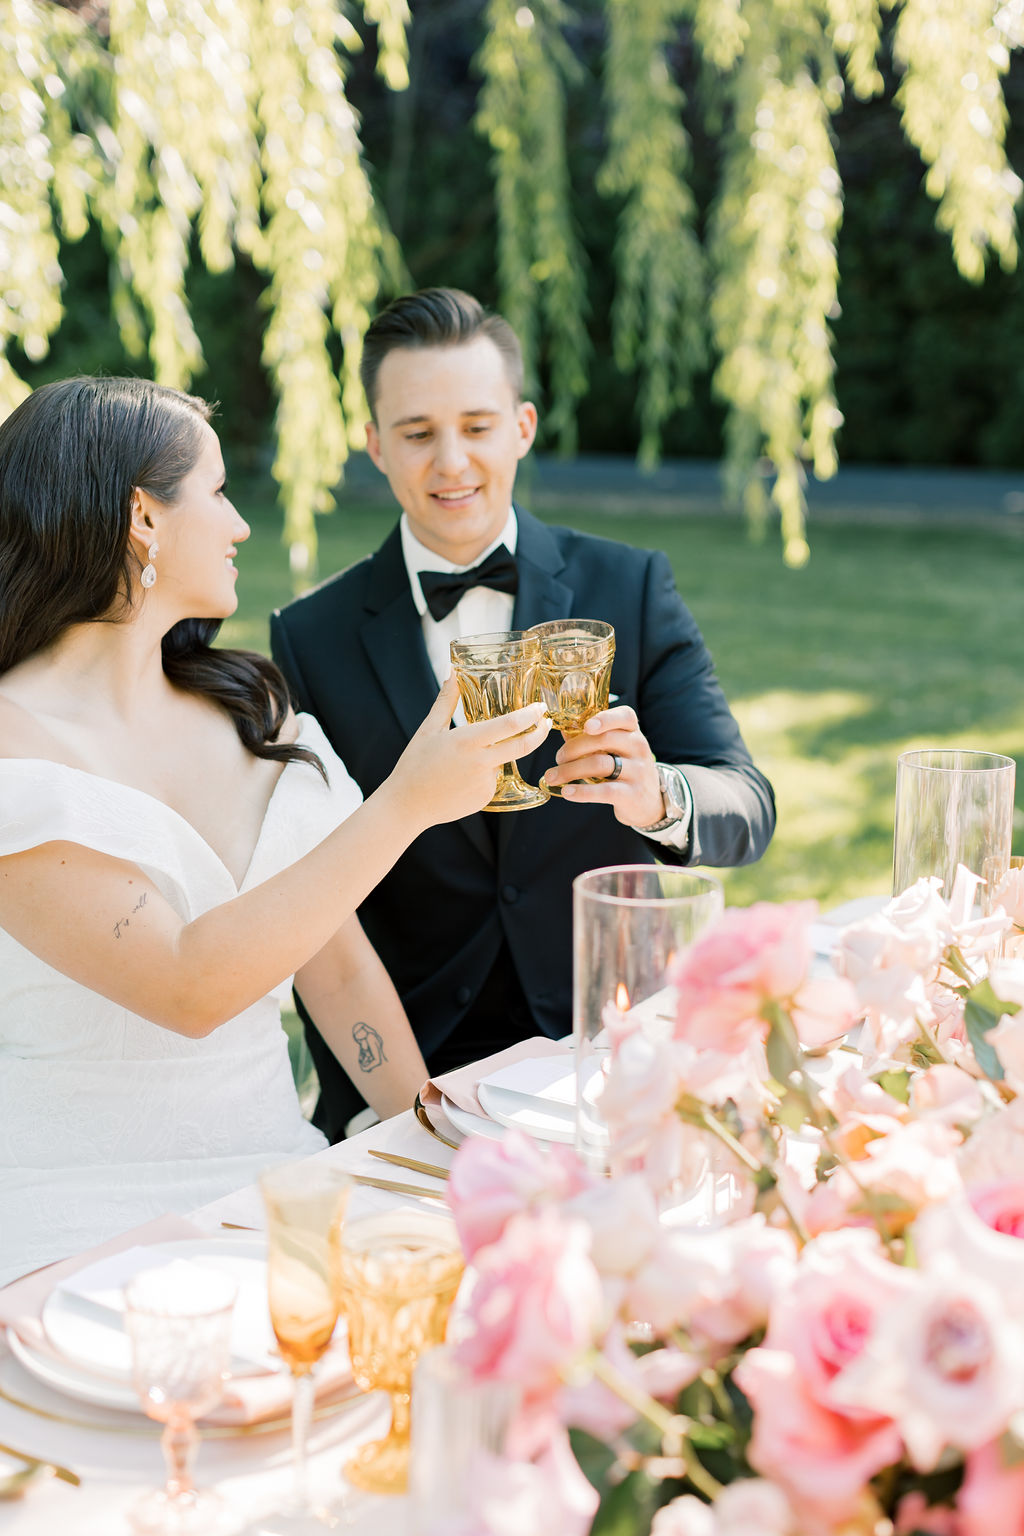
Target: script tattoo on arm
x: 371, y: 1047
x: 126, y: 921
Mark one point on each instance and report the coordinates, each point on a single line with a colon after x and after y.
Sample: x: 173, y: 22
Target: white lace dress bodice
x: 106, y: 1119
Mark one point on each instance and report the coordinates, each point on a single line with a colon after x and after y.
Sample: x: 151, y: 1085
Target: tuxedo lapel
x: 542, y: 595
x: 392, y: 638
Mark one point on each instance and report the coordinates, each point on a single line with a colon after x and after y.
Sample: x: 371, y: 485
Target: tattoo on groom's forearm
x: 371, y: 1047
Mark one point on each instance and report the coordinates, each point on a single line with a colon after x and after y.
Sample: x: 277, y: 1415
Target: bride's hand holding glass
x: 443, y: 774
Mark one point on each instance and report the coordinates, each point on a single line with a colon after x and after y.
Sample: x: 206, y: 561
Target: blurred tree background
x: 745, y: 228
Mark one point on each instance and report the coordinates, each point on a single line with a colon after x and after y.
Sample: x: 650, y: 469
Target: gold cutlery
x: 11, y: 1486
x: 397, y: 1189
x: 435, y: 1171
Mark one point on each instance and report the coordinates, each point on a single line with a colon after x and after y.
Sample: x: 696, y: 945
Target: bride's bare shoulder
x: 23, y: 734
x: 290, y: 729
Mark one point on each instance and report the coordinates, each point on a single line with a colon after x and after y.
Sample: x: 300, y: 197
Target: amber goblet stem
x: 302, y: 1417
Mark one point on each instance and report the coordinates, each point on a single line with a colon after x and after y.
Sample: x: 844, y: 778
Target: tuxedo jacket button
x: 510, y: 893
x: 463, y: 995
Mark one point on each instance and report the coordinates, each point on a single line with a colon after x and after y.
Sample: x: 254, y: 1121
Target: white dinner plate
x: 469, y: 1124
x: 85, y: 1326
x: 58, y: 1373
x: 536, y: 1096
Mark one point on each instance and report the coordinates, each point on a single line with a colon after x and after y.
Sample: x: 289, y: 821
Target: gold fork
x: 13, y: 1486
x: 434, y: 1169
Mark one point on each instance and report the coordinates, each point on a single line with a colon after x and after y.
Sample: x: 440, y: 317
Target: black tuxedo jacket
x: 352, y: 651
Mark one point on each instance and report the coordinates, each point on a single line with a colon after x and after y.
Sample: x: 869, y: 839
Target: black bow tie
x: 442, y: 589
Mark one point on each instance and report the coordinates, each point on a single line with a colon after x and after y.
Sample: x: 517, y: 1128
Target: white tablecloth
x: 251, y: 1471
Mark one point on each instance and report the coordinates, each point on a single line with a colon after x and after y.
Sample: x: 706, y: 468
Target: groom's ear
x: 373, y: 445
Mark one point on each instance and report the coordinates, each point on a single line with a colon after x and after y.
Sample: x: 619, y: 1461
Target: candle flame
x: 621, y: 998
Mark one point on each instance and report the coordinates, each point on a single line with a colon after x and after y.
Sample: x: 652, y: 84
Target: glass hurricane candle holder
x: 630, y: 921
x: 952, y: 807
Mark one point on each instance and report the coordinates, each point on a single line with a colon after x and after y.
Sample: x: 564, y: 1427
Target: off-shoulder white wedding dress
x: 107, y: 1120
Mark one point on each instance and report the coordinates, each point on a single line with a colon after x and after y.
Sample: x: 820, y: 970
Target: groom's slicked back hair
x: 436, y: 317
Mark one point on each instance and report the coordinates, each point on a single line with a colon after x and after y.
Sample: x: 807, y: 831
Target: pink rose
x: 717, y: 1283
x: 822, y: 1458
x: 685, y: 1517
x: 843, y: 1284
x: 991, y: 1497
x: 981, y: 1240
x: 947, y: 1094
x: 943, y: 1366
x: 660, y: 1373
x: 750, y: 1507
x: 996, y: 1145
x: 1007, y: 1040
x: 491, y: 1181
x: 623, y: 1221
x: 547, y: 1497
x: 640, y: 1089
x: 762, y: 1264
x: 822, y: 1009
x: 750, y: 957
x: 536, y: 1303
x: 1000, y: 1205
x: 1009, y: 894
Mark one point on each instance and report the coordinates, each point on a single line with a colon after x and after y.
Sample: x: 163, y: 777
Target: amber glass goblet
x: 574, y: 675
x: 496, y: 674
x: 305, y: 1206
x: 399, y: 1275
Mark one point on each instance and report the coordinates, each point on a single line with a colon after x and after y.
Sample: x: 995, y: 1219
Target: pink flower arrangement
x: 730, y: 981
x: 840, y: 1352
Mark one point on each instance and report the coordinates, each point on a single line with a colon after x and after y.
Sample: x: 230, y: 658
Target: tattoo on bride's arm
x: 126, y: 921
x: 371, y: 1047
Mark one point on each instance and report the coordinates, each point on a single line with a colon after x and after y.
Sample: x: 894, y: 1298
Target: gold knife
x: 397, y: 1189
x: 434, y: 1169
x: 64, y: 1473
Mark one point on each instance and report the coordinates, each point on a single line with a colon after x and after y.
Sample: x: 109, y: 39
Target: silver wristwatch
x: 676, y: 797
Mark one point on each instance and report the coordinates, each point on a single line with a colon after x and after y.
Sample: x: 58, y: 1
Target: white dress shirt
x: 482, y: 611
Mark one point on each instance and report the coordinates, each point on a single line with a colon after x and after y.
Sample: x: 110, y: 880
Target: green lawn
x: 889, y: 638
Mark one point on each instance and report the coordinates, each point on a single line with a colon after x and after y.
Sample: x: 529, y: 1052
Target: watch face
x: 670, y: 791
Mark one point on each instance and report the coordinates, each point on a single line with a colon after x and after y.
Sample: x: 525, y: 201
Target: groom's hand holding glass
x: 613, y: 753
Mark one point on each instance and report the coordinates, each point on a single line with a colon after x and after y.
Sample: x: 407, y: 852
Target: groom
x: 474, y: 922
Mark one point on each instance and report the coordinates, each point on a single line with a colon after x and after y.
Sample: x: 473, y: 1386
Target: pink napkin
x: 22, y: 1302
x: 460, y: 1086
x: 246, y: 1400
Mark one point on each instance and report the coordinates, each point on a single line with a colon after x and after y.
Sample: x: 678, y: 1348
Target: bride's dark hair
x: 71, y: 457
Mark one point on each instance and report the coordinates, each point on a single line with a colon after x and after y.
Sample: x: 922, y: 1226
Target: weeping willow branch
x: 45, y: 166
x: 322, y: 247
x: 658, y: 311
x: 224, y: 126
x: 541, y: 269
x: 954, y: 54
x: 773, y: 250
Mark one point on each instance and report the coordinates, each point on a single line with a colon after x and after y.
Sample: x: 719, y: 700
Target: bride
x: 174, y: 842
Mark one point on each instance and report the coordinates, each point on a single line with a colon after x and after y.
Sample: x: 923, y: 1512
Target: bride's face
x: 198, y: 535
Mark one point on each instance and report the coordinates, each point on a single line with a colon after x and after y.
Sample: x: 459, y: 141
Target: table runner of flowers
x: 841, y: 1351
